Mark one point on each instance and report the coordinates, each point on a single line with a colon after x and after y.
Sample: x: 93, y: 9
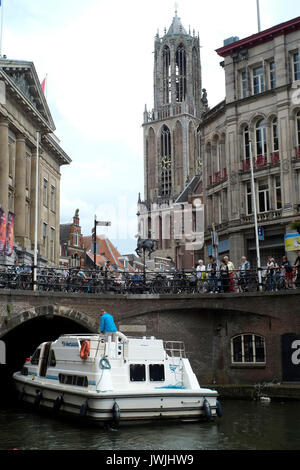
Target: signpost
x: 102, y: 224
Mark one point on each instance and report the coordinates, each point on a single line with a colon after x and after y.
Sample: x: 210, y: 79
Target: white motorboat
x: 115, y: 379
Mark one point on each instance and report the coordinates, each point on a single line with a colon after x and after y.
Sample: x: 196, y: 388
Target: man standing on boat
x: 107, y: 324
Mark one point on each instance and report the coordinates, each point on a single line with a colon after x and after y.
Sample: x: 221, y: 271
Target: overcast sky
x: 98, y: 57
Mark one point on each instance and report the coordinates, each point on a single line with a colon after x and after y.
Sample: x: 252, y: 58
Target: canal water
x: 245, y: 425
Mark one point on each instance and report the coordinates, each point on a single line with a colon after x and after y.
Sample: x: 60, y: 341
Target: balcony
x: 260, y: 161
x: 275, y: 157
x: 262, y: 217
x: 246, y: 165
x: 218, y: 177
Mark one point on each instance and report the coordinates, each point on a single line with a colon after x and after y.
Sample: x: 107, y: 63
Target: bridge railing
x: 95, y: 281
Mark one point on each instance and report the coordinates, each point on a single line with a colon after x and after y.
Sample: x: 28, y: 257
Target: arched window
x: 298, y: 129
x: 180, y: 74
x: 261, y: 138
x: 166, y: 75
x: 275, y: 138
x: 165, y: 162
x: 248, y: 349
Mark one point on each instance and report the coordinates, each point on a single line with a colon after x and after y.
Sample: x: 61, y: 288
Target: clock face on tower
x: 166, y: 163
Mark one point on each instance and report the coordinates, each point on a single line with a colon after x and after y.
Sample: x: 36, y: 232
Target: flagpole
x: 36, y: 211
x: 255, y: 218
x: 258, y: 16
x: 2, y: 6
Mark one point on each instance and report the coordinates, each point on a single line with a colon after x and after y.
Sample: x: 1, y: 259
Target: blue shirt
x: 107, y: 323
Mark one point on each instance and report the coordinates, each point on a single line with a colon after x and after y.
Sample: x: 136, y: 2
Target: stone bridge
x: 17, y: 307
x: 206, y: 323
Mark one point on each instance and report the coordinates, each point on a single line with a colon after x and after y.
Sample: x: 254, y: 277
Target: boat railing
x: 175, y: 348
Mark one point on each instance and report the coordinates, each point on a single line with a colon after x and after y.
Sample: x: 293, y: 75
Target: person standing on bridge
x: 107, y: 324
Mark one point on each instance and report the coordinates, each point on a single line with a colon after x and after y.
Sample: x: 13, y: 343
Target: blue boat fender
x: 207, y: 409
x: 116, y: 413
x: 219, y: 409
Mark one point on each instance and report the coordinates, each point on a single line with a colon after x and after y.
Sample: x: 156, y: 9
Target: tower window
x: 180, y: 74
x: 166, y: 162
x: 166, y: 76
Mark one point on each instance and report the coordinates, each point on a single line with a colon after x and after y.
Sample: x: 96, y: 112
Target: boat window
x: 137, y: 372
x: 157, y: 372
x: 79, y: 380
x: 36, y: 356
x: 52, y: 361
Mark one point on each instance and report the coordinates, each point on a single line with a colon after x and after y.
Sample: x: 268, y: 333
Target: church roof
x: 176, y: 27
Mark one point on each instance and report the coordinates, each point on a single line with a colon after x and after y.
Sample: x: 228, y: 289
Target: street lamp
x: 255, y: 216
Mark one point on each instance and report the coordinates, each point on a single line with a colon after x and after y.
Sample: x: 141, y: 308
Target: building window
x: 258, y: 80
x: 296, y: 66
x: 45, y: 192
x: 261, y: 138
x: 52, y: 198
x: 272, y: 75
x: 75, y: 238
x: 249, y: 199
x: 248, y: 349
x: 278, y: 200
x: 263, y: 196
x: 166, y: 75
x: 298, y: 129
x: 45, y: 227
x: 52, y: 243
x: 166, y: 162
x: 275, y: 140
x: 244, y: 84
x: 180, y: 74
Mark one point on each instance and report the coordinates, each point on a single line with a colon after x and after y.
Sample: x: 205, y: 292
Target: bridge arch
x: 26, y: 330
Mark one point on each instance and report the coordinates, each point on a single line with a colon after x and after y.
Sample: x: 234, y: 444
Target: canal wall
x: 254, y: 392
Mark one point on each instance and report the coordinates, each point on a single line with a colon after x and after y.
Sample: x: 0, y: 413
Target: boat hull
x: 119, y: 406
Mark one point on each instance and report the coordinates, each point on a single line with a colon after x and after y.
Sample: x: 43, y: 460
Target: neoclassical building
x: 260, y: 116
x: 171, y: 146
x: 23, y: 112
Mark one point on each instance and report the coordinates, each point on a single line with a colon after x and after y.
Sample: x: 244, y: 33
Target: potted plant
x: 295, y: 225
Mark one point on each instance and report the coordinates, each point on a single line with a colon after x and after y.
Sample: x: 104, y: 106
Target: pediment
x: 24, y: 77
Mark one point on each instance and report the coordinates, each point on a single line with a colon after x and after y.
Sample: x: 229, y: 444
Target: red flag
x: 2, y: 230
x: 10, y: 234
x: 43, y: 85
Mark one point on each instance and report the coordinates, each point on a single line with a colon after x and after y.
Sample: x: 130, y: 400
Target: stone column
x: 4, y: 164
x: 20, y: 185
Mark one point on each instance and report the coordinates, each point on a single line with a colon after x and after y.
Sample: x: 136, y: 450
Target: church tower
x: 171, y: 145
x: 170, y: 137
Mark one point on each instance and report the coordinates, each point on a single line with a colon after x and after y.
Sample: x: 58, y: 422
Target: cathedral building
x: 23, y: 113
x: 171, y: 146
